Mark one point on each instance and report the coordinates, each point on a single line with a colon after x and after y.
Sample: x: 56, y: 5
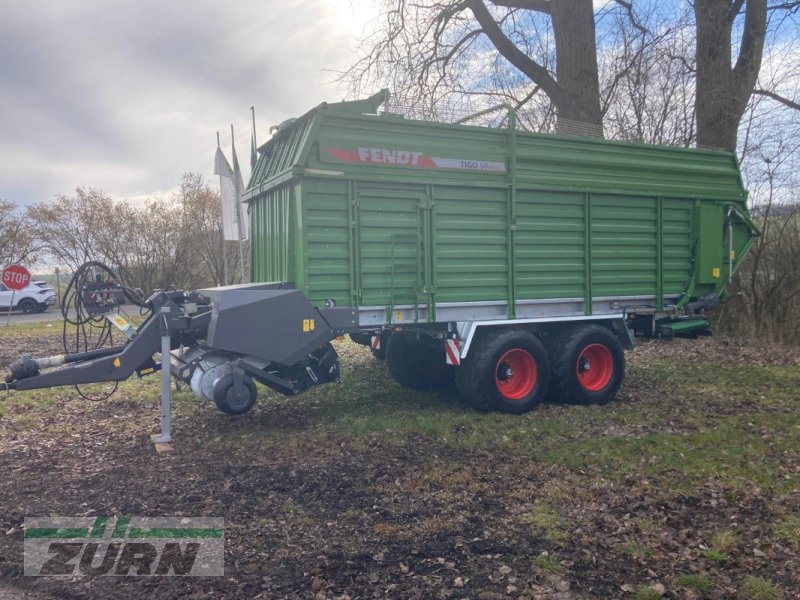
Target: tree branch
x: 748, y: 64
x: 542, y: 6
x: 628, y: 6
x: 735, y: 8
x: 790, y: 6
x: 535, y: 72
x: 778, y: 98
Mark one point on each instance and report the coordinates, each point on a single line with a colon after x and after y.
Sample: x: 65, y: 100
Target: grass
x: 726, y: 435
x: 698, y: 583
x: 43, y: 329
x: 646, y: 524
x: 549, y: 563
x: 39, y: 329
x: 647, y: 593
x: 637, y: 550
x: 717, y: 556
x: 788, y: 529
x: 724, y: 541
x: 546, y: 522
x: 677, y: 425
x: 722, y: 544
x: 758, y: 588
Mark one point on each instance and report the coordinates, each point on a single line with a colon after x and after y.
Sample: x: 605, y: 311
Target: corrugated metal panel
x: 677, y: 243
x: 471, y: 244
x: 570, y: 217
x: 554, y: 162
x: 390, y: 230
x: 624, y: 245
x: 270, y: 236
x: 327, y: 249
x: 282, y: 152
x: 550, y: 245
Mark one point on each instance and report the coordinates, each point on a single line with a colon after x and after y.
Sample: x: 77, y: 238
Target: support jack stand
x: 162, y: 441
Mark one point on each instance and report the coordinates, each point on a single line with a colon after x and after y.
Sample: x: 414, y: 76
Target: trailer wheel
x: 507, y: 371
x: 417, y: 365
x: 226, y: 399
x: 588, y: 365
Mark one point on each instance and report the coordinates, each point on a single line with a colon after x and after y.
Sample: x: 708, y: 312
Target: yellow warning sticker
x: 116, y: 362
x: 398, y: 315
x: 715, y: 272
x: 308, y: 325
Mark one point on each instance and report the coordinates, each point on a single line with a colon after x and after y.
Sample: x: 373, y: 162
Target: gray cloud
x: 126, y: 96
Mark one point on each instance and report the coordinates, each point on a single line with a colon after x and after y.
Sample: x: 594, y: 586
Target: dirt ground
x: 683, y: 488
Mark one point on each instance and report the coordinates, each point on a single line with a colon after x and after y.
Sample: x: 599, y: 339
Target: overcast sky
x: 127, y: 96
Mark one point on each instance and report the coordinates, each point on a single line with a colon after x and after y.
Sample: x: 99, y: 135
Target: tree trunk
x: 722, y: 91
x: 575, y: 92
x: 576, y: 61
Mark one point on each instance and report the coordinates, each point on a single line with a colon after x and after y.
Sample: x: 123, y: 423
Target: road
x: 52, y: 314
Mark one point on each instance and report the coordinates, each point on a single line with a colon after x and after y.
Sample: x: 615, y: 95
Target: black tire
x: 42, y: 308
x: 418, y: 365
x: 226, y: 400
x: 588, y: 365
x: 487, y: 379
x: 28, y: 305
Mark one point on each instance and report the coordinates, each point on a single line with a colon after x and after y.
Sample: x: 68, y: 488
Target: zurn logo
x: 124, y: 546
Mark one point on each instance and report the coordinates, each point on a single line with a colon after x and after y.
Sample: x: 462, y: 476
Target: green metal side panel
x: 709, y: 244
x: 677, y: 244
x: 624, y: 245
x: 271, y: 226
x: 553, y: 162
x: 325, y: 234
x: 391, y: 245
x: 284, y: 150
x: 370, y: 210
x: 550, y: 245
x: 471, y: 244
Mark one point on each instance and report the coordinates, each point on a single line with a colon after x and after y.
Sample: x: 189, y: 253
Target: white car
x: 37, y: 296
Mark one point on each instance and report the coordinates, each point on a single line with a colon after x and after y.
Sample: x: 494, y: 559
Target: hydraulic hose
x: 91, y: 293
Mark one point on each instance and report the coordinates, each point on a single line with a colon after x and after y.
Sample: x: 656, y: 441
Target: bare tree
x: 69, y: 228
x: 148, y: 246
x: 202, y: 229
x: 767, y: 289
x: 647, y: 74
x: 18, y: 241
x: 464, y: 48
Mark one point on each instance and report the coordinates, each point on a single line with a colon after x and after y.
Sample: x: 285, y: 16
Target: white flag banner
x: 239, y: 183
x: 227, y: 192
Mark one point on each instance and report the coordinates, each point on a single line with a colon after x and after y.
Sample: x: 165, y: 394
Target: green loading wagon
x: 513, y: 265
x: 512, y: 262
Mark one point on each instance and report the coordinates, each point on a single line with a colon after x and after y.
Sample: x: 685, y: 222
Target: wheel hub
x: 516, y: 374
x: 595, y: 367
x: 505, y: 371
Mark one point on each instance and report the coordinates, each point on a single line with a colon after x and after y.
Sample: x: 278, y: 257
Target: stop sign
x: 16, y: 277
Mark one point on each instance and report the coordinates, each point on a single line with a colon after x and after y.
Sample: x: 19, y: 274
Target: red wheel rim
x: 516, y: 374
x: 595, y: 367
